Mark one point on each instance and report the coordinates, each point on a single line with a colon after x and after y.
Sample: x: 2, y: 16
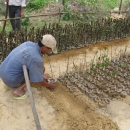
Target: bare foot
x: 19, y: 92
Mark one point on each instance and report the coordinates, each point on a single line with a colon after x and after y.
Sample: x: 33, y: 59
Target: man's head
x: 49, y: 43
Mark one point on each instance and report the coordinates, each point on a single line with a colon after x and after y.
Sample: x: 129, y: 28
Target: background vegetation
x: 100, y: 8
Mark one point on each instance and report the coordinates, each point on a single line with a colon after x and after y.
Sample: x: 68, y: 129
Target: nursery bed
x: 71, y: 108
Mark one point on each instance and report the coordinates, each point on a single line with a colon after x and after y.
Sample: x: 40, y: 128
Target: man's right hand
x: 50, y: 85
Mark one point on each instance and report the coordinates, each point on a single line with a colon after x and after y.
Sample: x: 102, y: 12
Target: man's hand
x: 22, y: 12
x: 45, y: 78
x: 50, y: 86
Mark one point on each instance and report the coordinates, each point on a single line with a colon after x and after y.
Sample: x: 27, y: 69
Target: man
x: 16, y: 9
x: 29, y: 54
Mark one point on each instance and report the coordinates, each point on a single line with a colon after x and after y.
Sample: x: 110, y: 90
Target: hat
x: 49, y: 41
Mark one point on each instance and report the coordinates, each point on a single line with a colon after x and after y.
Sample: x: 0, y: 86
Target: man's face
x: 46, y: 50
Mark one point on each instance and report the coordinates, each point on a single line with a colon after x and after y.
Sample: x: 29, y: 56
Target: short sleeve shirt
x: 29, y: 54
x: 21, y: 3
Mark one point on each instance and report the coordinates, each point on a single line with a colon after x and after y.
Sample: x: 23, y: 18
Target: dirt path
x: 60, y: 109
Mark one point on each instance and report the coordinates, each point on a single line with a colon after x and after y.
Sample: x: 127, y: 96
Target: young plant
x: 85, y: 62
x: 125, y: 49
x: 67, y: 66
x: 114, y: 74
x: 50, y: 68
x: 93, y: 65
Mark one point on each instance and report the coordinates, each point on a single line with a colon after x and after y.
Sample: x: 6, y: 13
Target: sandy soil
x: 62, y: 109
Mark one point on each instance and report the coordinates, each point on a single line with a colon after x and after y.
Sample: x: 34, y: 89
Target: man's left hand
x: 45, y: 78
x: 22, y: 14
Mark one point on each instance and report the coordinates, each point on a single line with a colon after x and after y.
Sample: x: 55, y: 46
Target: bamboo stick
x: 51, y: 14
x: 5, y: 17
x: 31, y: 98
x: 120, y: 7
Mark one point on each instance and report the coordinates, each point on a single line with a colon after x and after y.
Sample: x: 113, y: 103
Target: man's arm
x: 44, y: 77
x: 46, y: 84
x: 22, y: 12
x: 36, y: 71
x: 23, y: 5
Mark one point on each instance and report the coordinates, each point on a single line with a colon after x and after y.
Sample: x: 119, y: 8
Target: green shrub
x: 25, y: 21
x: 67, y: 15
x: 36, y: 4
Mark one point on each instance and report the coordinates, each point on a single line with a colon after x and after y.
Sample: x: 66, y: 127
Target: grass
x: 37, y: 22
x: 8, y: 27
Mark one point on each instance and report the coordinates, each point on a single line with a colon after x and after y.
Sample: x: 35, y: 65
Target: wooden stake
x: 5, y: 17
x: 120, y: 6
x: 31, y: 98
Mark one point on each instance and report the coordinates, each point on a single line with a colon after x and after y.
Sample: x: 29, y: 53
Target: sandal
x: 21, y: 97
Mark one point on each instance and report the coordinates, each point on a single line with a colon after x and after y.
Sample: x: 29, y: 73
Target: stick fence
x: 69, y: 36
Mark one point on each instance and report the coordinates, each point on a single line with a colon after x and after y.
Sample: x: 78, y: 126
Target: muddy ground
x: 62, y: 109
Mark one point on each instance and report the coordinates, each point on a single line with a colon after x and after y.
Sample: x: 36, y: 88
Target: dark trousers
x: 14, y: 12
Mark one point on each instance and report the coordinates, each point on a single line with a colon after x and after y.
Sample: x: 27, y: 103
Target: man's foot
x: 19, y: 92
x: 21, y: 97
